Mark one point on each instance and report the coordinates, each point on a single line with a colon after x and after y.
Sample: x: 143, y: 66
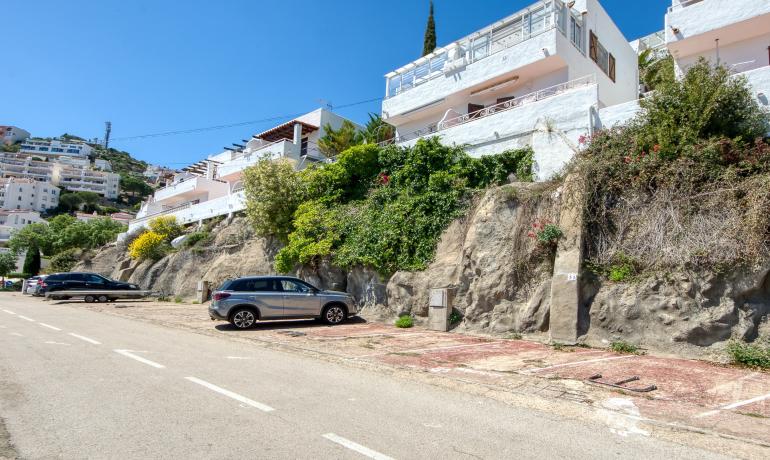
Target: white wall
x: 568, y: 114
x: 616, y: 115
x: 709, y: 15
x: 741, y: 56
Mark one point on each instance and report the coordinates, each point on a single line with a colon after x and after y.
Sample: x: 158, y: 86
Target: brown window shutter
x: 474, y: 108
x: 593, y: 51
x: 612, y: 67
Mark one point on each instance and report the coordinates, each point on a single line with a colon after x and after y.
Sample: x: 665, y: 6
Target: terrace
x: 451, y: 120
x: 512, y: 31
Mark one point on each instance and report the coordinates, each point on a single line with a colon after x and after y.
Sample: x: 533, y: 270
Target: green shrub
x: 64, y: 261
x: 624, y: 347
x: 201, y: 237
x: 455, y: 317
x: 273, y: 190
x: 405, y: 321
x: 386, y: 207
x: 755, y: 354
x: 178, y: 299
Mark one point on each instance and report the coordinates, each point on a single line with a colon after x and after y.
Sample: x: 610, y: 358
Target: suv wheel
x: 334, y: 314
x: 243, y: 318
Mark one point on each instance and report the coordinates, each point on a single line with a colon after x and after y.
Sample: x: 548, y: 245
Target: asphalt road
x: 81, y: 384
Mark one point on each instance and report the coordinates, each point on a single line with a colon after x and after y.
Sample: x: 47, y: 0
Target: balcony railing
x: 517, y: 28
x: 495, y: 109
x: 683, y: 4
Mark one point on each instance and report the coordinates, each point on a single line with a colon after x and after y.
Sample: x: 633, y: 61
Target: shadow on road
x: 294, y: 324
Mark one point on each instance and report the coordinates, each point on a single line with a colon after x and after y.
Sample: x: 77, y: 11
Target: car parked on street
x: 80, y: 281
x: 244, y: 301
x: 34, y: 284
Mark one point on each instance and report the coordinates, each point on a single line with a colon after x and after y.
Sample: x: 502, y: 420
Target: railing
x: 494, y: 109
x: 517, y: 28
x: 165, y: 211
x: 683, y: 4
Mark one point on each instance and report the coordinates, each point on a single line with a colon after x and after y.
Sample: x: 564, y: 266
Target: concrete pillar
x: 565, y: 284
x: 297, y: 133
x: 202, y: 293
x: 440, y: 305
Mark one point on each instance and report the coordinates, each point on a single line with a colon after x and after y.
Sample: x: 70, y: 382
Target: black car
x: 82, y: 281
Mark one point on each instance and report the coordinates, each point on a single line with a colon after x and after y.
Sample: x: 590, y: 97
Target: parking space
x: 697, y: 394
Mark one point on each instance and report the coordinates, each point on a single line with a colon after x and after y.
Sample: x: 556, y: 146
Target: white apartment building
x: 55, y: 148
x: 18, y: 193
x: 213, y: 187
x: 14, y: 220
x: 537, y: 77
x: 85, y: 179
x: 10, y: 135
x: 75, y: 174
x: 734, y: 33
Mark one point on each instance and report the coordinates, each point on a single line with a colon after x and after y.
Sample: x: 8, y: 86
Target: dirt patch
x: 7, y: 451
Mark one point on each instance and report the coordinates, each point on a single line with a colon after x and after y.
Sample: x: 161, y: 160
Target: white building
x: 10, y: 135
x: 17, y: 193
x: 55, y: 148
x: 213, y: 187
x: 77, y: 178
x: 14, y: 220
x: 537, y: 77
x: 734, y: 33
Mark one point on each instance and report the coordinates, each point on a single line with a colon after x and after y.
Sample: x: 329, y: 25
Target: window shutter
x: 593, y: 51
x: 612, y: 68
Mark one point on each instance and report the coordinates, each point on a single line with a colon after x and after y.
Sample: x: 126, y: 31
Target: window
x: 295, y: 286
x: 303, y: 147
x: 576, y: 33
x: 599, y: 54
x: 55, y: 149
x: 94, y: 279
x: 252, y: 285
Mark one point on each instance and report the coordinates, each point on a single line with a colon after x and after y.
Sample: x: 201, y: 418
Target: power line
x: 233, y: 125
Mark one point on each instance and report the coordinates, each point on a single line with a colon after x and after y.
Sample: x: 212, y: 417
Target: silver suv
x: 244, y: 301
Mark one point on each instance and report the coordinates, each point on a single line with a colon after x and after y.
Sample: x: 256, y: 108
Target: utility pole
x: 107, y: 131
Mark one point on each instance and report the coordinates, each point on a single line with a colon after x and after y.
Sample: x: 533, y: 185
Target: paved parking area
x: 691, y: 394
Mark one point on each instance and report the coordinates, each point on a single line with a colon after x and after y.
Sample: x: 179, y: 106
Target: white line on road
x: 734, y: 405
x: 49, y: 326
x: 365, y: 451
x: 230, y: 394
x: 85, y: 339
x: 576, y: 363
x: 55, y: 343
x: 238, y: 357
x: 26, y: 318
x: 128, y: 354
x: 16, y: 334
x: 9, y: 312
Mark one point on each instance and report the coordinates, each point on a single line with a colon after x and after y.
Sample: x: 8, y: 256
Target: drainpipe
x: 717, y: 42
x: 768, y: 55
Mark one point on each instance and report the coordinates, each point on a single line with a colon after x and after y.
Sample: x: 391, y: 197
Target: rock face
x: 687, y: 309
x: 233, y: 252
x: 501, y: 276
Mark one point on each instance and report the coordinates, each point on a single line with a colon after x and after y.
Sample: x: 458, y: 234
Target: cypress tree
x: 32, y: 261
x: 429, y: 43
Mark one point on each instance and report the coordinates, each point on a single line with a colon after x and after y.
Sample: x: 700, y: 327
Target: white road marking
x: 49, y: 326
x: 230, y: 394
x: 577, y: 363
x: 26, y: 318
x: 56, y: 343
x: 16, y: 334
x: 365, y: 451
x: 238, y: 357
x: 9, y: 312
x: 734, y: 405
x: 85, y: 339
x: 128, y: 354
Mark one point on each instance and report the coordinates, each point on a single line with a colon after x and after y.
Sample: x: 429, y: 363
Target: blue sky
x: 153, y: 66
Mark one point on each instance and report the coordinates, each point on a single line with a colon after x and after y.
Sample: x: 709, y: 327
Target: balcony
x: 478, y: 117
x: 191, y: 188
x: 193, y: 211
x: 232, y: 169
x: 694, y: 26
x: 522, y: 40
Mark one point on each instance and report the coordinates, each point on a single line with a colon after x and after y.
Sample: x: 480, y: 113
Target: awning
x: 285, y: 131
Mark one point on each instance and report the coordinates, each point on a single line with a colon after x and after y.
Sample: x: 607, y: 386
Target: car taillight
x: 221, y: 295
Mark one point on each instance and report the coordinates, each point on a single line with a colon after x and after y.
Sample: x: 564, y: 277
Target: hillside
x: 122, y: 162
